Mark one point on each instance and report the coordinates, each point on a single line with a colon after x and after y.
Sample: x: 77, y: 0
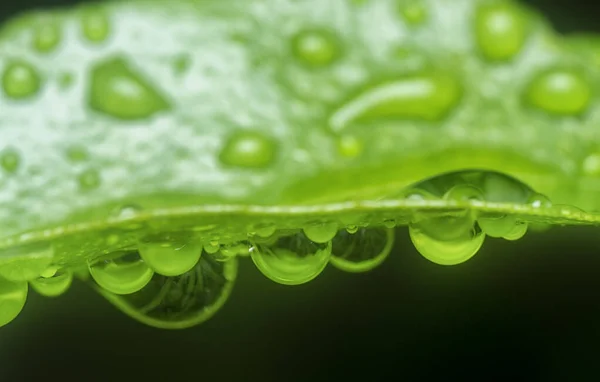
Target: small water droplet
x: 182, y: 301
x: 248, y: 149
x: 121, y: 272
x: 265, y: 230
x: 426, y: 97
x: 20, y: 80
x: 500, y: 30
x: 212, y: 248
x: 560, y: 91
x: 46, y: 36
x: 54, y: 285
x: 10, y: 160
x: 363, y: 250
x: 26, y: 262
x: 351, y: 229
x: 291, y: 259
x: 89, y: 180
x: 170, y: 254
x: 95, y: 25
x: 350, y: 146
x: 13, y: 296
x: 321, y: 232
x: 315, y: 48
x: 119, y: 91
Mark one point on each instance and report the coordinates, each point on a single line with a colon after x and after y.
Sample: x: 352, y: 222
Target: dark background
x: 528, y: 310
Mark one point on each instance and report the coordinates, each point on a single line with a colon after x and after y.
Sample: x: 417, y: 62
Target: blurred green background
x: 525, y: 310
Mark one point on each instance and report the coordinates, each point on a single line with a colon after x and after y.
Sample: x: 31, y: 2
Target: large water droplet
x: 447, y: 240
x: 291, y: 259
x: 500, y: 30
x: 249, y: 150
x: 315, y: 48
x: 95, y: 25
x: 121, y: 272
x: 427, y: 97
x: 54, y: 285
x: 363, y: 250
x: 321, y: 232
x: 170, y: 254
x: 26, y: 262
x: 119, y: 91
x: 46, y: 36
x: 20, y: 80
x: 560, y: 91
x: 13, y: 296
x: 182, y: 301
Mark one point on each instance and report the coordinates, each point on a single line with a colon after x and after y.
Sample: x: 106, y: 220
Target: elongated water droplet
x: 292, y: 259
x: 315, y: 48
x: 182, y: 301
x: 248, y: 150
x: 26, y: 262
x: 500, y: 30
x: 321, y: 232
x: 560, y: 91
x: 170, y: 254
x: 121, y: 272
x: 52, y: 286
x: 13, y: 296
x: 427, y: 97
x: 20, y: 80
x: 117, y: 90
x: 447, y: 240
x: 363, y: 250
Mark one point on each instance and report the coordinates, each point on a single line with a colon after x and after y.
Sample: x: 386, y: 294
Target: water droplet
x: 26, y: 262
x: 53, y: 286
x: 350, y: 146
x: 212, y: 248
x: 351, y: 229
x: 447, y: 240
x: 10, y: 160
x: 413, y: 12
x: 265, y: 230
x: 321, y: 232
x: 121, y: 272
x: 248, y: 150
x: 363, y: 250
x: 315, y: 48
x: 560, y: 91
x: 497, y: 226
x: 389, y: 223
x: 46, y: 36
x: 182, y: 301
x: 428, y: 97
x: 119, y: 91
x: 95, y: 25
x: 500, y: 30
x: 13, y: 296
x: 20, y: 80
x: 77, y: 154
x: 89, y: 180
x: 518, y: 231
x: 291, y: 260
x: 170, y: 254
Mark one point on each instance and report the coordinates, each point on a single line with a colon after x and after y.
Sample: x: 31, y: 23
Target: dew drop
x: 212, y: 248
x: 89, y: 180
x: 182, y: 301
x: 291, y: 260
x: 54, y: 285
x: 95, y: 25
x: 248, y: 150
x: 321, y: 232
x: 427, y: 97
x: 350, y: 146
x: 447, y: 240
x: 497, y: 226
x: 500, y: 30
x: 361, y: 251
x: 20, y: 80
x: 518, y: 231
x: 26, y: 262
x: 13, y: 296
x: 170, y: 254
x: 119, y: 91
x: 10, y: 160
x: 315, y: 48
x: 121, y: 272
x: 46, y: 37
x: 560, y: 92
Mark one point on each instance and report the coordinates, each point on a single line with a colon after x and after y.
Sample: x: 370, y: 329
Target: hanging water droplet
x: 447, y: 240
x: 182, y: 301
x: 13, y: 296
x: 351, y: 229
x: 497, y: 226
x: 291, y: 259
x: 389, y: 223
x: 518, y: 231
x: 265, y: 230
x: 122, y: 272
x: 363, y: 250
x: 211, y: 248
x: 170, y: 254
x: 321, y: 232
x: 54, y: 285
x: 26, y: 262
